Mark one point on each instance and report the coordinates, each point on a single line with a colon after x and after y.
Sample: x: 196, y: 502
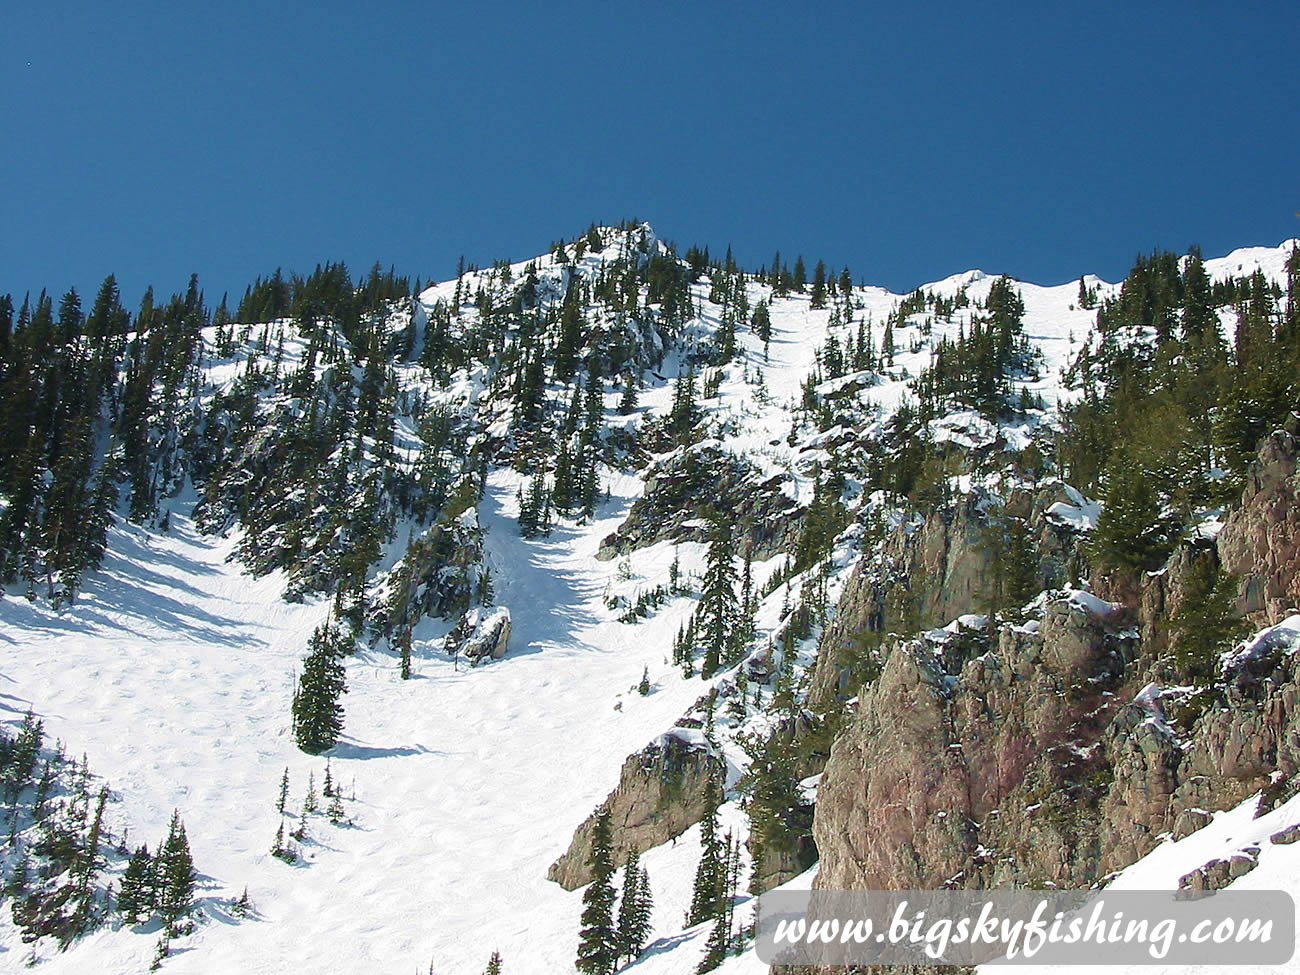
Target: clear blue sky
x: 1037, y: 139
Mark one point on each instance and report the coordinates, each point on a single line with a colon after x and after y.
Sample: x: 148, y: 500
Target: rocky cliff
x: 1260, y: 541
x: 1044, y: 761
x: 662, y: 791
x: 932, y: 569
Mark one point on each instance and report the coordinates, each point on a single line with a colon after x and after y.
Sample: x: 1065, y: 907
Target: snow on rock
x: 1079, y: 513
x: 1284, y: 636
x: 481, y: 634
x: 1092, y: 604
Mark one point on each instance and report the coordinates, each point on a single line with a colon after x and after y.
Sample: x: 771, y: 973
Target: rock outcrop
x: 1260, y: 541
x: 662, y: 791
x: 930, y: 570
x: 681, y: 493
x: 1042, y: 761
x: 481, y: 634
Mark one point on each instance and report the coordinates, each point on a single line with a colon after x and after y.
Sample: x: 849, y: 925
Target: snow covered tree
x: 494, y: 964
x: 317, y: 712
x: 598, y: 947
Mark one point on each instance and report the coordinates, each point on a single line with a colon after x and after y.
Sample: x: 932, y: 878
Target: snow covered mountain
x: 558, y: 437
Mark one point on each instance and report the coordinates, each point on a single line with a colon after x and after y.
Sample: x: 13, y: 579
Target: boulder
x: 481, y: 634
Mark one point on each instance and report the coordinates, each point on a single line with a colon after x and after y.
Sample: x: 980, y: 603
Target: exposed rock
x: 928, y: 571
x: 1286, y: 836
x: 662, y: 792
x: 1040, y: 762
x: 681, y: 493
x: 1218, y: 874
x: 1189, y: 821
x: 1260, y: 541
x: 438, y: 576
x: 481, y: 634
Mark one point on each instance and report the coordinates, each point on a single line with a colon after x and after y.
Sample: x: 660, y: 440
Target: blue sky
x: 1037, y: 139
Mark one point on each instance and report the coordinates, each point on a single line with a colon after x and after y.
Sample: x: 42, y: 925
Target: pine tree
x: 278, y: 849
x: 778, y: 815
x: 718, y: 606
x: 175, y: 876
x: 494, y: 964
x: 284, y: 791
x: 710, y: 874
x: 633, y: 910
x: 135, y: 897
x: 1205, y: 623
x: 317, y: 713
x: 1130, y: 534
x: 643, y: 688
x: 598, y: 945
x: 310, y: 801
x: 627, y: 402
x: 685, y: 411
x: 404, y: 652
x: 818, y: 299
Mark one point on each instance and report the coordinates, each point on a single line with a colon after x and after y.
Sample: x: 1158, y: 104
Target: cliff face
x: 1042, y: 761
x: 932, y: 570
x: 662, y: 791
x: 1260, y: 541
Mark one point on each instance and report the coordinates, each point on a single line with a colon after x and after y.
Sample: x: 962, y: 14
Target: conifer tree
x: 718, y: 608
x: 317, y: 712
x: 685, y: 411
x: 135, y: 897
x: 1130, y: 533
x: 494, y: 964
x: 284, y: 791
x: 710, y: 874
x: 598, y: 948
x: 634, y: 909
x: 627, y: 402
x: 818, y: 298
x: 1205, y: 622
x: 175, y: 876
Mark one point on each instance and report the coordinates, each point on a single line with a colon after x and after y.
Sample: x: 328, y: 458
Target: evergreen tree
x: 1130, y: 534
x: 175, y: 876
x: 711, y: 873
x: 818, y: 298
x: 1205, y: 623
x: 685, y: 411
x: 627, y: 402
x: 634, y: 909
x: 778, y: 815
x: 284, y: 791
x: 494, y: 964
x: 598, y: 947
x: 135, y: 897
x: 718, y: 606
x: 317, y: 712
